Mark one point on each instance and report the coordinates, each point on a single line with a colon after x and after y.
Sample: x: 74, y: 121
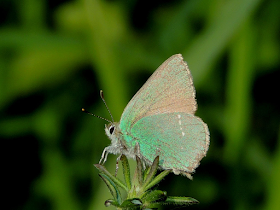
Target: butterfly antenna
x: 83, y: 110
x: 102, y: 97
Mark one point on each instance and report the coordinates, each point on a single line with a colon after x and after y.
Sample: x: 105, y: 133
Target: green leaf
x: 133, y: 203
x: 126, y: 171
x: 180, y: 200
x: 139, y: 169
x: 112, y: 187
x: 146, y: 172
x: 103, y: 170
x: 157, y: 179
x: 155, y: 196
x: 151, y: 172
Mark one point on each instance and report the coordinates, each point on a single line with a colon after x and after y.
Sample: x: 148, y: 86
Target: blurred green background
x: 55, y: 56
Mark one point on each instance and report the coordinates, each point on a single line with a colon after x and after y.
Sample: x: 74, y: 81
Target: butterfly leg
x: 107, y: 150
x: 104, y: 156
x: 137, y: 150
x: 117, y: 165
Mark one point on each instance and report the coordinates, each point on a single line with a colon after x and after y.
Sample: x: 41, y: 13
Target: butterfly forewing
x: 160, y: 118
x: 169, y: 89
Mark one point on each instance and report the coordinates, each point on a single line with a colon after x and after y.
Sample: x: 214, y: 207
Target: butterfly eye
x: 111, y: 129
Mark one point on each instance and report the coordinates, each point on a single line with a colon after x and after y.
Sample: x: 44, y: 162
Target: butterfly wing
x: 180, y: 139
x: 169, y: 89
x: 160, y: 117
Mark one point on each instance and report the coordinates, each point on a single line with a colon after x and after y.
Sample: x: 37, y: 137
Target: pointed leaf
x: 146, y: 172
x: 152, y: 171
x: 135, y: 183
x: 126, y: 171
x: 132, y: 203
x: 103, y: 170
x: 155, y: 196
x: 180, y: 200
x: 112, y: 187
x: 157, y: 179
x: 139, y: 170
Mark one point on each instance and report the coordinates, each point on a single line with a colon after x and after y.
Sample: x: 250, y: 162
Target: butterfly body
x: 159, y: 121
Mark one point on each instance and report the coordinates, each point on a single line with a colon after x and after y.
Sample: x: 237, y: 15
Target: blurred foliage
x: 55, y: 56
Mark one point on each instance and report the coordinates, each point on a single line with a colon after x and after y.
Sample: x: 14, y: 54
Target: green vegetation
x: 139, y: 192
x: 55, y: 56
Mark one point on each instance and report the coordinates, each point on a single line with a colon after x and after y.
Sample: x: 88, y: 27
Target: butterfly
x: 159, y: 121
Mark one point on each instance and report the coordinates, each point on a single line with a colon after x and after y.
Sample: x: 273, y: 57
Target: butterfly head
x: 112, y: 130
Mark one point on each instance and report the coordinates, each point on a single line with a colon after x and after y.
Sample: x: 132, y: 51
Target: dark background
x: 55, y: 56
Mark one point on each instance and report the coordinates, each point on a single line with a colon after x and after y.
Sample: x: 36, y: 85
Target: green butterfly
x: 159, y: 121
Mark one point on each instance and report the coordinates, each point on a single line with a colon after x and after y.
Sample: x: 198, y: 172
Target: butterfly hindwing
x: 180, y: 139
